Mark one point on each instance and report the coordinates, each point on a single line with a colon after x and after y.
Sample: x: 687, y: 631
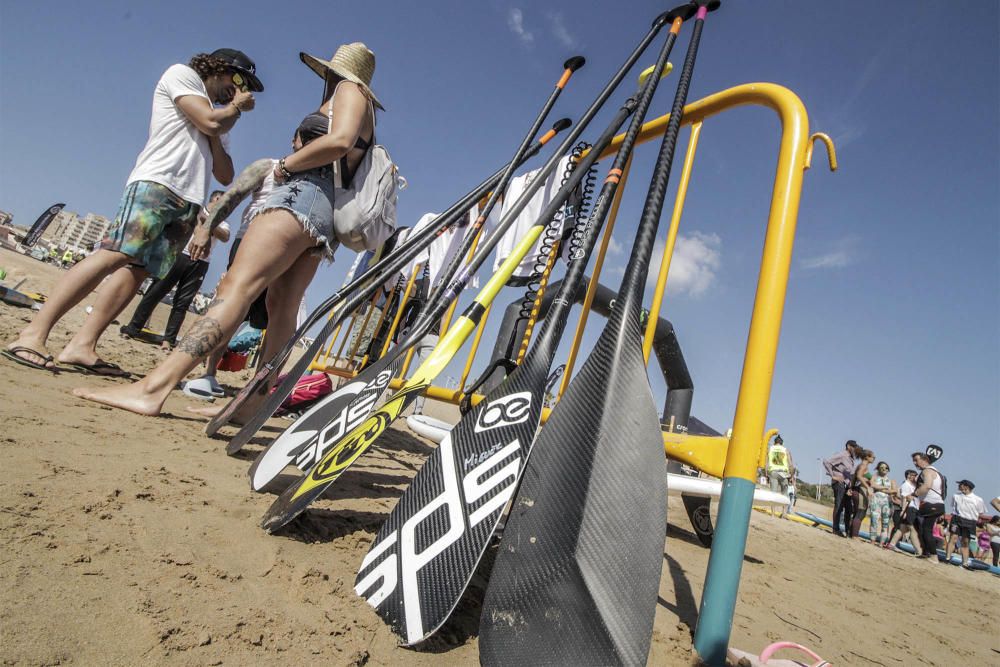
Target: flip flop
x: 102, y: 368
x: 11, y: 353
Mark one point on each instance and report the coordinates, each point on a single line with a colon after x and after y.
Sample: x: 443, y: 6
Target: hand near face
x: 244, y: 100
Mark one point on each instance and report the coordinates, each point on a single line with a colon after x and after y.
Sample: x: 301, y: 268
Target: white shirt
x: 906, y: 489
x: 968, y: 506
x: 176, y: 154
x: 441, y: 251
x: 256, y: 204
x: 528, y: 217
x: 933, y: 494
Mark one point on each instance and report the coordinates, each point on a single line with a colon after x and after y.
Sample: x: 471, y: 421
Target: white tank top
x: 933, y: 495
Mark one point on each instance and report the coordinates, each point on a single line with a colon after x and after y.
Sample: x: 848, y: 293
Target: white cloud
x: 614, y: 247
x: 843, y: 253
x: 515, y: 21
x: 697, y: 259
x: 560, y: 31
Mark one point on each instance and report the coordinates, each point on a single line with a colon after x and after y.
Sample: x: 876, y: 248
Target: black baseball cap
x: 241, y: 62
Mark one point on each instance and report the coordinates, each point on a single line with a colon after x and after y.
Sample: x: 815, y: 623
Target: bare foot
x: 212, y: 411
x: 127, y: 397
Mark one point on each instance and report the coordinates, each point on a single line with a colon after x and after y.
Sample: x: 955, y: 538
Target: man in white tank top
x: 929, y: 493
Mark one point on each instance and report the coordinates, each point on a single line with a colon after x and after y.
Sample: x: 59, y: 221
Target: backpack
x: 364, y: 208
x: 308, y: 389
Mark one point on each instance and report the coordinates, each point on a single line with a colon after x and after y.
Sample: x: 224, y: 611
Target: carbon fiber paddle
x: 578, y: 570
x: 428, y: 549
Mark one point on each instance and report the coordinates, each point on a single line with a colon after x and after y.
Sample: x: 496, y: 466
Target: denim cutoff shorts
x: 309, y: 197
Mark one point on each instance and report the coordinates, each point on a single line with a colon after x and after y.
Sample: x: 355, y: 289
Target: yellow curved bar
x: 668, y: 248
x: 831, y: 150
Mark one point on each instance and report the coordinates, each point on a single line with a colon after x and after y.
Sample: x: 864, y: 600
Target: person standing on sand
x: 283, y: 246
x: 908, y: 514
x: 967, y: 507
x: 163, y: 195
x: 840, y: 468
x: 861, y: 488
x: 993, y: 528
x: 883, y: 488
x: 256, y: 182
x: 930, y: 492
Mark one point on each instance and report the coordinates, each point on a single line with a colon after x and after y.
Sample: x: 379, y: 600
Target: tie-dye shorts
x: 152, y: 226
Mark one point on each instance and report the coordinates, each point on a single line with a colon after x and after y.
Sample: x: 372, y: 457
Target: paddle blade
x: 338, y: 458
x: 578, y: 570
x: 324, y: 424
x: 428, y: 549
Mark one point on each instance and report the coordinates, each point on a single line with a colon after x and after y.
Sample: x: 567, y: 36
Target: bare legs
x: 272, y: 246
x: 283, y: 297
x: 78, y: 282
x: 115, y: 295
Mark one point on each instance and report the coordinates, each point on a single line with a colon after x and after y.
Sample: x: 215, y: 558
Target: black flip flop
x: 101, y: 368
x: 11, y: 353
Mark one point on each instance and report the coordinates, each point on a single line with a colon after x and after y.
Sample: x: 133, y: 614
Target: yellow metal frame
x: 740, y: 454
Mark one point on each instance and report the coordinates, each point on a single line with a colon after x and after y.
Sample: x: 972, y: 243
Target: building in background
x: 69, y: 230
x: 5, y: 218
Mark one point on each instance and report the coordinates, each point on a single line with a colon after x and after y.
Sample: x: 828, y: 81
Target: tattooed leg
x: 201, y: 339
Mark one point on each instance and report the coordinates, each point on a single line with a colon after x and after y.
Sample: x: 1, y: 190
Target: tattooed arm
x: 249, y: 180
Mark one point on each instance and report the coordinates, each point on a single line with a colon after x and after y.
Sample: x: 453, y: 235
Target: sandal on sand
x: 12, y: 354
x: 102, y: 368
x: 765, y: 659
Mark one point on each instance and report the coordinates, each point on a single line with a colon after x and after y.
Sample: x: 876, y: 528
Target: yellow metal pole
x: 364, y: 327
x: 668, y: 248
x: 402, y: 304
x: 475, y: 348
x: 588, y: 299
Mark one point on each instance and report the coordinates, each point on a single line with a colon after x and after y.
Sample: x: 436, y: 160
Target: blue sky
x: 891, y: 326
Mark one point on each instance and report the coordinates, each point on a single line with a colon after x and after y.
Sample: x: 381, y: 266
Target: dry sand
x: 129, y: 540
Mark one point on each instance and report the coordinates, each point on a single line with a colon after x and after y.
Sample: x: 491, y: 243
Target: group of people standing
x: 915, y: 509
x: 163, y: 222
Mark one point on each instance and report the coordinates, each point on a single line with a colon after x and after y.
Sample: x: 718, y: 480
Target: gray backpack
x: 364, y: 210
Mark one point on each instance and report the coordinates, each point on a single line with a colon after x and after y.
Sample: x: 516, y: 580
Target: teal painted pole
x: 722, y: 581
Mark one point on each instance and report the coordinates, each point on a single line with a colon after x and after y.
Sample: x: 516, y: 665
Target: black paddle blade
x: 428, y: 549
x: 324, y: 424
x: 577, y: 574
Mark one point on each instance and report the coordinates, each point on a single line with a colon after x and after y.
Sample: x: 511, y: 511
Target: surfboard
x: 15, y: 298
x: 428, y: 427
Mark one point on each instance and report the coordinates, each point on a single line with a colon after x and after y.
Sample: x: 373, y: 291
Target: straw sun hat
x: 354, y: 62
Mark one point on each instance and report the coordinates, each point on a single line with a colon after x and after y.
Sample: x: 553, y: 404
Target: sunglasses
x: 240, y: 82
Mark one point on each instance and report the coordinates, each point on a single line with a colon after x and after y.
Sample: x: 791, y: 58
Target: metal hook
x: 831, y: 151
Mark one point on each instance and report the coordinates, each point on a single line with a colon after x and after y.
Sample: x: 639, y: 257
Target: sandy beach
x: 131, y: 540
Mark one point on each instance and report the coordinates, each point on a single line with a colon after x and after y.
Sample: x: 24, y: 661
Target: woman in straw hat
x: 283, y: 247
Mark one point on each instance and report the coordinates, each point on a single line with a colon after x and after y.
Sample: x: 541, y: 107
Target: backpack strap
x: 340, y: 167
